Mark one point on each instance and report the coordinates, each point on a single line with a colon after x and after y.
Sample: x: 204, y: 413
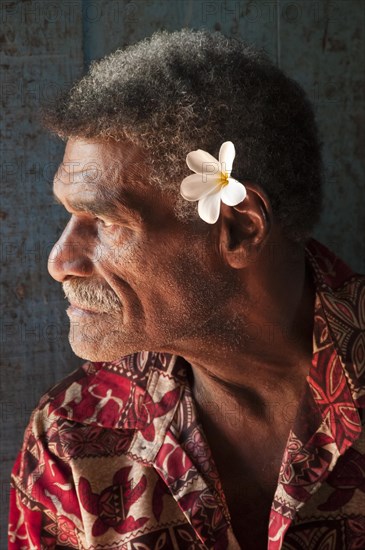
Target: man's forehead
x: 79, y: 149
x: 115, y: 170
x: 107, y: 158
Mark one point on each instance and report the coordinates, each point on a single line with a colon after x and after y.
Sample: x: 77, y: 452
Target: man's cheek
x: 113, y: 254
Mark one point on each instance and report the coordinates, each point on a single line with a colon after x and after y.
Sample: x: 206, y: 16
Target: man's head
x: 137, y: 254
x: 176, y: 92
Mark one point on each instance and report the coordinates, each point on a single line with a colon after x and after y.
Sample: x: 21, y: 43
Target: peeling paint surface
x: 44, y: 47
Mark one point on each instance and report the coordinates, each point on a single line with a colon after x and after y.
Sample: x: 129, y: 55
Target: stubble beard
x: 100, y: 339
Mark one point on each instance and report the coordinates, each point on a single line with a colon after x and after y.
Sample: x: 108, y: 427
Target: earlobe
x: 244, y: 228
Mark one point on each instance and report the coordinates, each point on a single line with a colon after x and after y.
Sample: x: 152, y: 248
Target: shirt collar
x: 138, y: 392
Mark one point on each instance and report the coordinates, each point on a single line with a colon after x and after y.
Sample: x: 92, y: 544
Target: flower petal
x: 197, y: 186
x: 209, y: 207
x: 227, y: 154
x: 233, y: 193
x: 202, y: 162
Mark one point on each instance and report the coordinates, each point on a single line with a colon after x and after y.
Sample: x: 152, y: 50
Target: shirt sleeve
x: 26, y: 519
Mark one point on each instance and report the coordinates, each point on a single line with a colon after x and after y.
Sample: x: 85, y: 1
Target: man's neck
x: 264, y: 352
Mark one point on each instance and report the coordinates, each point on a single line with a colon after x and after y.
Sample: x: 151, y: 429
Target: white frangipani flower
x: 211, y: 182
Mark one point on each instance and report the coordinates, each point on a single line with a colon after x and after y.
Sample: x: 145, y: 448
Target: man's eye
x: 104, y: 223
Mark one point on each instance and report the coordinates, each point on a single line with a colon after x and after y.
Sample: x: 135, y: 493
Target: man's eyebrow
x: 99, y: 205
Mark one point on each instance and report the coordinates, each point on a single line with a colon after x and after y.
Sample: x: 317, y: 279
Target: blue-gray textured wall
x: 47, y: 44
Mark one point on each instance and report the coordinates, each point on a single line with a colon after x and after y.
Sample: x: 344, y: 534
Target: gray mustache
x: 92, y: 295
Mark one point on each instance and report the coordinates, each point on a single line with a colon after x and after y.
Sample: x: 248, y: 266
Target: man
x: 221, y: 404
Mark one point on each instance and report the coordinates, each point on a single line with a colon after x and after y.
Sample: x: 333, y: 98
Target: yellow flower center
x: 223, y: 179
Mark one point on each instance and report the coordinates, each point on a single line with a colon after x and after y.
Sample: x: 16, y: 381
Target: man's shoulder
x: 340, y: 314
x: 340, y: 289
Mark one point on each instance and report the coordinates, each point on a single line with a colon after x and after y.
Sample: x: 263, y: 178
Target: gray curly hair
x: 176, y: 92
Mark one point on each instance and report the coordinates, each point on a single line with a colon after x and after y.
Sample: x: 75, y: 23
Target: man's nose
x: 69, y: 256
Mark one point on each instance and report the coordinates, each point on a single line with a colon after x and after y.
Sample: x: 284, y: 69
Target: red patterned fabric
x: 114, y: 456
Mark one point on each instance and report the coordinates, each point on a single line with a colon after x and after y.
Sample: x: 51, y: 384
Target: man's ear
x: 244, y: 228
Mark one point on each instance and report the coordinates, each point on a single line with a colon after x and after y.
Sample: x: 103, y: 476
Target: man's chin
x: 96, y: 351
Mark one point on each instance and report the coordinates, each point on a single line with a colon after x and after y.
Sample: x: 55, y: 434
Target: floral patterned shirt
x: 114, y: 456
